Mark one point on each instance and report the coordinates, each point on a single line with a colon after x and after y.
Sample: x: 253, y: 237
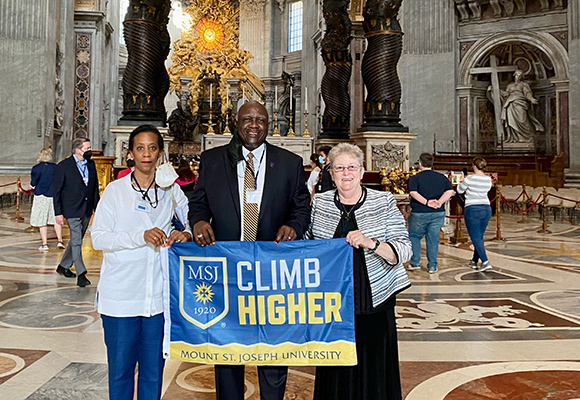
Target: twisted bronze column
x: 379, y: 64
x: 145, y: 80
x: 338, y: 62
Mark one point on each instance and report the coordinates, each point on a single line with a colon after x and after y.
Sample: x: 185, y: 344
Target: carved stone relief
x: 388, y: 155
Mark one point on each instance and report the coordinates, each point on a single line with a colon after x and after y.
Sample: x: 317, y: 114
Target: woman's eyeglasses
x: 342, y: 168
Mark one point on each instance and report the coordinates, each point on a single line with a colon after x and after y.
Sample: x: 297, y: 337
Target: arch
x: 544, y: 41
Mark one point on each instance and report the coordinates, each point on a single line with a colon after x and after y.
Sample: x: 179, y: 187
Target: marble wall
x: 427, y: 73
x: 574, y: 93
x: 27, y: 67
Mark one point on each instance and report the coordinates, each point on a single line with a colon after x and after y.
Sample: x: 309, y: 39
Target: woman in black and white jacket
x: 372, y: 223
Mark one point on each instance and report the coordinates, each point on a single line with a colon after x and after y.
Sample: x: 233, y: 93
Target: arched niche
x: 547, y: 67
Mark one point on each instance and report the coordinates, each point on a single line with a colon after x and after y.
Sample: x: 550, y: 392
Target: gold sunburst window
x: 210, y: 35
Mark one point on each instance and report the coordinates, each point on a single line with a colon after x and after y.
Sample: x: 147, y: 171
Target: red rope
x: 8, y: 184
x: 402, y: 200
x: 454, y: 216
x: 25, y: 192
x: 519, y: 211
x: 563, y: 198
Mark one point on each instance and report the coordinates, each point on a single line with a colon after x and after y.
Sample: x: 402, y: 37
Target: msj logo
x: 203, y: 290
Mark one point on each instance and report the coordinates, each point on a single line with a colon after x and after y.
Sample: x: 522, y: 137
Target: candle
x: 290, y: 98
x: 227, y: 96
x: 275, y: 97
x: 210, y: 90
x: 305, y: 99
x: 243, y: 94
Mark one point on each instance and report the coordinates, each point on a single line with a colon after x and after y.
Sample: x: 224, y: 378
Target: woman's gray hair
x: 346, y: 149
x: 44, y: 155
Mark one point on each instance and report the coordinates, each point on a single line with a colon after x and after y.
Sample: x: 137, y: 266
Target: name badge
x: 253, y: 196
x: 143, y: 206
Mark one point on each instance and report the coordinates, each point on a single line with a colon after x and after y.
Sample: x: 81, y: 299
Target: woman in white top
x: 314, y: 174
x: 477, y: 211
x: 131, y: 223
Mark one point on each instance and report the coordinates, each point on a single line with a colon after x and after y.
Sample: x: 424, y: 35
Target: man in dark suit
x: 76, y: 193
x: 249, y: 190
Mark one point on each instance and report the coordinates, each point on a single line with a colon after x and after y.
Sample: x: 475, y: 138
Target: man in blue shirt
x: 76, y: 193
x: 429, y: 190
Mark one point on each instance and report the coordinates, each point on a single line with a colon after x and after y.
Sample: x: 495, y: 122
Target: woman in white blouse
x: 131, y: 223
x: 477, y: 212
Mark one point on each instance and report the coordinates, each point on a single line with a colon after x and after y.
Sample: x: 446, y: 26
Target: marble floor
x: 510, y: 333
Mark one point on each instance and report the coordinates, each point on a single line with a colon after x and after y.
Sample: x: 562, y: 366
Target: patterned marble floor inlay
x: 510, y: 333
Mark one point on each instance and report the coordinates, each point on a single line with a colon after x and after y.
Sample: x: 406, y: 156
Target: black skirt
x: 376, y: 376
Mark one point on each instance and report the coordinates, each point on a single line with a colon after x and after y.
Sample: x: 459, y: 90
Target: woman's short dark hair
x: 480, y: 163
x: 145, y: 128
x: 324, y: 149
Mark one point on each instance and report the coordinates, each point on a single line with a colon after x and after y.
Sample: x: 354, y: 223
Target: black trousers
x: 229, y: 382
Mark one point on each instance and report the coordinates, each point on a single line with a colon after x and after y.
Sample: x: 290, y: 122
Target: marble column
x: 338, y: 62
x: 255, y: 16
x: 145, y: 80
x: 379, y: 66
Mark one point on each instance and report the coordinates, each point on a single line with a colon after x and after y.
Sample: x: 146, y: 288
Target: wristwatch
x: 377, y: 244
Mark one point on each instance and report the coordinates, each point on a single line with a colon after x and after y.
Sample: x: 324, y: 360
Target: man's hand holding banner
x: 260, y: 303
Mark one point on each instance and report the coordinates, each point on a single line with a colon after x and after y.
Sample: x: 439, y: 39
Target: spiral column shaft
x: 145, y: 80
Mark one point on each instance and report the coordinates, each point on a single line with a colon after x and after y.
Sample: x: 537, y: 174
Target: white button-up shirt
x: 259, y: 162
x: 131, y: 282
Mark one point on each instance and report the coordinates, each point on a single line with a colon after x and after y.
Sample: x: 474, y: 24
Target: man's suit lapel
x: 232, y: 181
x: 269, y: 180
x: 74, y: 171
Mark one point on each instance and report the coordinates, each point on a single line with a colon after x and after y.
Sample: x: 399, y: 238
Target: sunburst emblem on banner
x: 203, y: 293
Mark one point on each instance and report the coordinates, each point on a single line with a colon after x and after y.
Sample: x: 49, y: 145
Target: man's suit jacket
x: 72, y: 198
x: 285, y: 199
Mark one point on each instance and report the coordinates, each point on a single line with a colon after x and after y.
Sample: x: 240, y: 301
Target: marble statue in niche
x: 519, y: 124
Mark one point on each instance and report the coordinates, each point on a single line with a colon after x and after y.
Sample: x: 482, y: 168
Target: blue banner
x: 260, y: 303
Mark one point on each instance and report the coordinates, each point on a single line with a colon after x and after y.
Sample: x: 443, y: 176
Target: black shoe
x: 82, y: 280
x: 67, y: 273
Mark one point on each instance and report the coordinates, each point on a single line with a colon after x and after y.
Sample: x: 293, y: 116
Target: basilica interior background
x: 512, y: 333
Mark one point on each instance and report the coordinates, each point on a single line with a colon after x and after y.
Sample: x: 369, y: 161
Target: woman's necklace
x: 346, y: 215
x: 145, y: 193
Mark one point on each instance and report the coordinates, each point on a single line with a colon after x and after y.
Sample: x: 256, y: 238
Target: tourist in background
x: 477, y: 212
x: 130, y: 167
x: 132, y: 222
x: 75, y: 196
x: 372, y: 223
x: 42, y: 213
x: 325, y: 182
x: 316, y: 167
x: 186, y: 179
x: 429, y: 190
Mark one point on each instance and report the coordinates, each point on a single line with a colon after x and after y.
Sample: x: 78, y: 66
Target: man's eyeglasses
x: 342, y: 168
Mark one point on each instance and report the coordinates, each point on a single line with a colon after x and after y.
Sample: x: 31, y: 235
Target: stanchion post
x: 525, y: 214
x: 544, y: 227
x: 17, y: 217
x: 498, y: 214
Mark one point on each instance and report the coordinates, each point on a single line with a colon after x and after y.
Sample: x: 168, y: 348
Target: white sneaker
x: 411, y: 267
x: 61, y: 245
x: 485, y: 266
x: 472, y: 264
x: 43, y: 248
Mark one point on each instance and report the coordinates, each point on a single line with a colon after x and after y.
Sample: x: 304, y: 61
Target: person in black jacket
x: 274, y: 207
x: 325, y: 182
x: 75, y: 197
